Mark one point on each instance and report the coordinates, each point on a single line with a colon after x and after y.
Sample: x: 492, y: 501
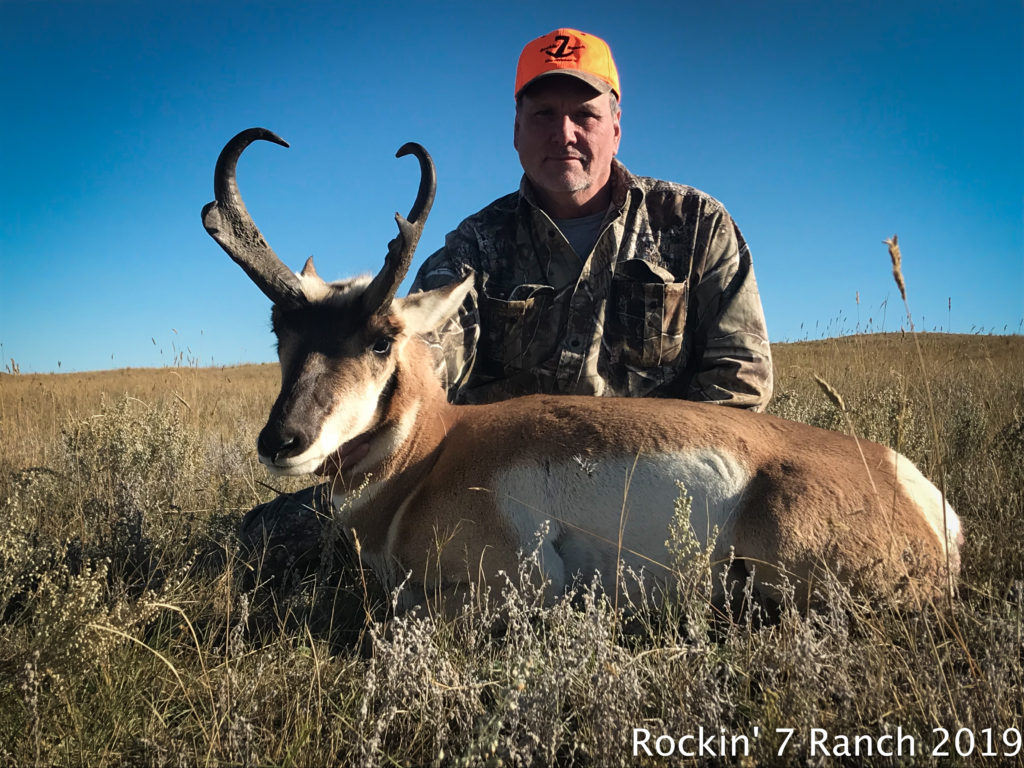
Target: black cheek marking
x: 388, y: 393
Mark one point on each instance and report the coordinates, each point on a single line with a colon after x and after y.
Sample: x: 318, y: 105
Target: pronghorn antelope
x: 360, y: 403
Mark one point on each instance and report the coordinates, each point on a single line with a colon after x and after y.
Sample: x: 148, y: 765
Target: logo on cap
x: 562, y: 50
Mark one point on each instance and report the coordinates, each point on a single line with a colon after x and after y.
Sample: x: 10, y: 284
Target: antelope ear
x: 308, y: 270
x: 423, y: 312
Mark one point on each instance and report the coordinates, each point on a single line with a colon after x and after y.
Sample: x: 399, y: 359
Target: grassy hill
x: 134, y: 631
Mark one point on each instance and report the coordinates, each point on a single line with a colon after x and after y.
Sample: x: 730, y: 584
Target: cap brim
x: 593, y: 81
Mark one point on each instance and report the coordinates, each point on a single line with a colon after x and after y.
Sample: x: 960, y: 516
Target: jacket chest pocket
x: 648, y: 314
x: 517, y: 333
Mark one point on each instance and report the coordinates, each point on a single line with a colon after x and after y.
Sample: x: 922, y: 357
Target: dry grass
x: 132, y: 630
x: 34, y: 407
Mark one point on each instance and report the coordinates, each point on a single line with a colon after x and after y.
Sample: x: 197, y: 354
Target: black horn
x: 229, y: 223
x: 381, y: 291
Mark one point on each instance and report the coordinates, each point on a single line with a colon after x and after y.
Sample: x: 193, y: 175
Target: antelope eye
x: 382, y: 346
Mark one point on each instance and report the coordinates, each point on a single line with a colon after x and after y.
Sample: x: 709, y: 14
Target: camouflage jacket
x: 665, y: 304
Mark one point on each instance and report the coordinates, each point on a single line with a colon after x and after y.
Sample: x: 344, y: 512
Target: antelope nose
x: 283, y: 448
x: 276, y: 445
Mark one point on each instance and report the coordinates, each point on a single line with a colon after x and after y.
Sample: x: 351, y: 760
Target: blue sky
x: 823, y: 127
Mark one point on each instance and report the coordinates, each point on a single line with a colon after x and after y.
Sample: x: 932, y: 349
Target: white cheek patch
x: 351, y: 416
x: 348, y: 501
x: 388, y: 441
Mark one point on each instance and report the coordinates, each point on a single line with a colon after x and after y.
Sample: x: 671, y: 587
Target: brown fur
x: 812, y: 500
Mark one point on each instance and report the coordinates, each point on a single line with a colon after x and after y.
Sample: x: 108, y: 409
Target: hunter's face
x: 566, y: 136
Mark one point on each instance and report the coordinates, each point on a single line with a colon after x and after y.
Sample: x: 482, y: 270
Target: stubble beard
x: 571, y: 182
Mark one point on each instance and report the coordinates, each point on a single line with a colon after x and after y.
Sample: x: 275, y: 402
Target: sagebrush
x: 134, y: 628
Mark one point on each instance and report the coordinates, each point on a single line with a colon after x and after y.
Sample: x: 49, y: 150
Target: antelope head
x: 346, y: 399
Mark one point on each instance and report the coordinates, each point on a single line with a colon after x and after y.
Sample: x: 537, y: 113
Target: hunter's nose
x: 564, y: 131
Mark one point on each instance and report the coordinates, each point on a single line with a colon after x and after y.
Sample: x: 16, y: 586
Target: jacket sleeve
x: 454, y: 343
x: 732, y: 360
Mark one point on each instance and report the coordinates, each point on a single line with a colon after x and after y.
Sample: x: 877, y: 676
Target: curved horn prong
x: 428, y: 181
x: 381, y: 291
x: 229, y: 223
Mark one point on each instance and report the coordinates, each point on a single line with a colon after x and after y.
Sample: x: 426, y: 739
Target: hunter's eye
x: 382, y: 346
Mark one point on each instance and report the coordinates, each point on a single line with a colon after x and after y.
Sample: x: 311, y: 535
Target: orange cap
x: 569, y: 52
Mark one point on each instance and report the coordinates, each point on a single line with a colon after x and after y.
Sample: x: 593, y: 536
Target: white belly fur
x: 586, y: 500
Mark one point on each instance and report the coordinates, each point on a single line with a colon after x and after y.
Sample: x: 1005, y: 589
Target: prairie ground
x: 135, y: 631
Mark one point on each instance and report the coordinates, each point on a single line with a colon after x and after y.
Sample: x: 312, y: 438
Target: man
x: 590, y: 280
